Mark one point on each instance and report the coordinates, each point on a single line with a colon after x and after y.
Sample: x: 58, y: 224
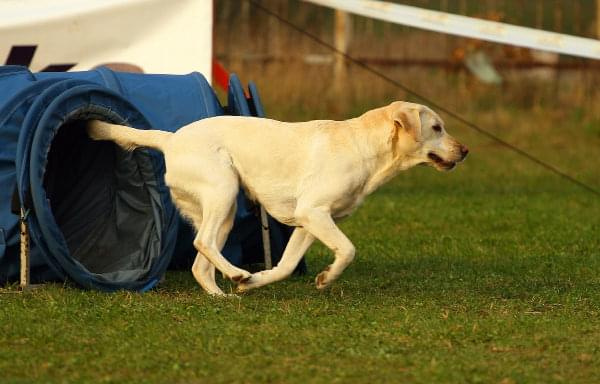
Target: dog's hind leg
x: 320, y: 224
x: 204, y: 273
x: 295, y: 249
x: 203, y: 270
x: 218, y: 202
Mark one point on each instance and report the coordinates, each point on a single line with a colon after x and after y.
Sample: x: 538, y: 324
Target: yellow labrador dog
x: 306, y: 175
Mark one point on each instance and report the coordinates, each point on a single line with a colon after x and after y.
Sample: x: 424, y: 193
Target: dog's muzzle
x: 447, y: 165
x: 441, y: 163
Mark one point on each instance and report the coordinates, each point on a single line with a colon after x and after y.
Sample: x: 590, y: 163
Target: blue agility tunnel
x: 98, y: 215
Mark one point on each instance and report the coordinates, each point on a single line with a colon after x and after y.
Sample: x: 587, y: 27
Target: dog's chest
x: 345, y: 206
x: 283, y: 206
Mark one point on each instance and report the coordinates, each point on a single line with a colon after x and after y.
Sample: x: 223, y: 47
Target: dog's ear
x: 409, y: 120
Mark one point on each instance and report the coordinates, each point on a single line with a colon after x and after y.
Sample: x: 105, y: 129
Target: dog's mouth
x: 440, y: 163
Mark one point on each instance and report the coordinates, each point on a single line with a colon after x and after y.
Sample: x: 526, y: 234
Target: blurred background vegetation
x: 546, y: 103
x: 291, y: 68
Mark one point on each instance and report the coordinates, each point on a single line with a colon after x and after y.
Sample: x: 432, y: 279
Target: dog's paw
x: 224, y: 295
x: 250, y: 283
x: 218, y: 293
x: 256, y: 280
x: 322, y: 280
x: 240, y: 276
x: 244, y: 285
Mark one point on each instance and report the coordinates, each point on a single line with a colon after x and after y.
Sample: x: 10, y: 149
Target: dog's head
x: 419, y: 134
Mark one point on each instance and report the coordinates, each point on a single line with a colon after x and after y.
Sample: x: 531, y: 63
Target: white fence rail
x: 469, y: 27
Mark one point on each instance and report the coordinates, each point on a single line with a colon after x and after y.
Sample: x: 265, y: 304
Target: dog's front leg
x: 295, y: 249
x: 320, y: 224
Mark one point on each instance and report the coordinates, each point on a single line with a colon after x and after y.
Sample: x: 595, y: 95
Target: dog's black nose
x: 464, y: 151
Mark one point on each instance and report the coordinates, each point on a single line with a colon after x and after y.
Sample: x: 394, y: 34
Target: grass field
x: 490, y: 273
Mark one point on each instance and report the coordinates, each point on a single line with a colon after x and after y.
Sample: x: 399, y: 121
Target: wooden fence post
x: 598, y: 19
x: 342, y: 35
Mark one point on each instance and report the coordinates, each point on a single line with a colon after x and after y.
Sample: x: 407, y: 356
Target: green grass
x: 490, y: 273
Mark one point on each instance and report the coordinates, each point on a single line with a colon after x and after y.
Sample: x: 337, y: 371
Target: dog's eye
x: 437, y: 128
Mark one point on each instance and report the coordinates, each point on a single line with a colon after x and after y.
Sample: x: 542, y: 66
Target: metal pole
x: 264, y: 221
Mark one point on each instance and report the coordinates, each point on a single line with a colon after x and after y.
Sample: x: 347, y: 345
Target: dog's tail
x: 126, y: 137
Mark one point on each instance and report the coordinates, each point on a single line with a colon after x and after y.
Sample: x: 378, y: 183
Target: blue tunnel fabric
x: 97, y: 214
x: 57, y: 104
x: 29, y: 121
